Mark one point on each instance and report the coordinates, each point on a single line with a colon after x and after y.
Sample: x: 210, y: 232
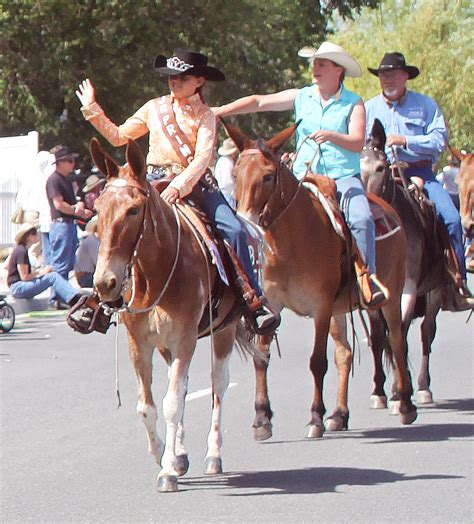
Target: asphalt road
x: 68, y: 455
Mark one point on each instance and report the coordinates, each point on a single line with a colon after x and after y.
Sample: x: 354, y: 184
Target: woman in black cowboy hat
x: 184, y: 150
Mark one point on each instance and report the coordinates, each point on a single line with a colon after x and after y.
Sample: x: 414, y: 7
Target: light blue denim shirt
x: 415, y: 116
x: 328, y: 159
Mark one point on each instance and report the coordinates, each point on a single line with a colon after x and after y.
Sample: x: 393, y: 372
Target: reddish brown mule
x: 303, y: 273
x: 150, y: 257
x: 465, y: 181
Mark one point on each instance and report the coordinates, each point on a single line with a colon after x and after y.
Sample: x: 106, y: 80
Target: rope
x: 117, y: 388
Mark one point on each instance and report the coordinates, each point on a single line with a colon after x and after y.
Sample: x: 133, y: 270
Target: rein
x: 130, y: 267
x: 276, y: 187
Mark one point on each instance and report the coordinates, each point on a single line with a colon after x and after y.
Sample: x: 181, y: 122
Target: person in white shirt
x: 447, y: 177
x: 228, y: 153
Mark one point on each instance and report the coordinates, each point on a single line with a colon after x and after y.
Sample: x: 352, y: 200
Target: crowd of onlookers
x: 56, y: 245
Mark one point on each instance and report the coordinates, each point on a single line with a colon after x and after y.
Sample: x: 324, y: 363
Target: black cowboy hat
x: 61, y: 152
x: 391, y: 61
x: 189, y: 62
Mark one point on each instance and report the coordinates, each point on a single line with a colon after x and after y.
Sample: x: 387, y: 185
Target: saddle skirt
x: 324, y: 189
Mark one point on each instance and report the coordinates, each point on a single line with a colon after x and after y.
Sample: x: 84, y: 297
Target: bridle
x: 148, y: 193
x: 277, y: 192
x: 387, y: 191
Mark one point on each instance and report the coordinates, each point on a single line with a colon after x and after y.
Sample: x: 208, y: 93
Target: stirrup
x: 374, y: 293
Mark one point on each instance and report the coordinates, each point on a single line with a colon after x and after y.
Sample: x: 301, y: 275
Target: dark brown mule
x: 465, y: 181
x: 151, y: 257
x: 425, y: 275
x: 303, y: 273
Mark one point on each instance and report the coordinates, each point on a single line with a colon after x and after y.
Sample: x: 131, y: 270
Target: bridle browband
x: 147, y: 192
x: 276, y: 190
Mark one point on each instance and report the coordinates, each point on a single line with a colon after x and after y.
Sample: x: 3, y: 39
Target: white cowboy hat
x: 335, y: 53
x: 227, y: 148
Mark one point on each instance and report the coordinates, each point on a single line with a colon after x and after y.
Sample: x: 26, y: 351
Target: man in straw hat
x: 416, y: 135
x: 329, y: 140
x: 228, y: 152
x: 27, y: 283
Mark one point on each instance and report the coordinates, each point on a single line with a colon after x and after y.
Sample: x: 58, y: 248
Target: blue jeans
x: 216, y: 208
x: 355, y: 206
x: 445, y: 210
x: 46, y: 248
x: 63, y: 243
x: 29, y: 289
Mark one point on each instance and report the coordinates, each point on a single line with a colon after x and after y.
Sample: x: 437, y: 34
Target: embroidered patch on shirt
x: 415, y: 112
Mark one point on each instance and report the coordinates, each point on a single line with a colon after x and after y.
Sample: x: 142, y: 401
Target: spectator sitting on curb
x: 86, y: 255
x: 93, y: 187
x: 25, y: 283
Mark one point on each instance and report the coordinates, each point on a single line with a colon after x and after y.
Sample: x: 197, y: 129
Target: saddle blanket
x: 385, y: 224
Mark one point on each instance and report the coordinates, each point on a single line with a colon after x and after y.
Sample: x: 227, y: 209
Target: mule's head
x: 373, y: 161
x: 121, y: 209
x: 256, y: 171
x: 465, y: 182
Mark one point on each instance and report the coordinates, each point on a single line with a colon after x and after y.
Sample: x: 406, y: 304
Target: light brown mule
x: 465, y: 181
x: 303, y: 273
x: 147, y: 248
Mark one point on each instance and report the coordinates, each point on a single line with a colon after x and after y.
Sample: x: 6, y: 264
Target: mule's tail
x: 245, y: 342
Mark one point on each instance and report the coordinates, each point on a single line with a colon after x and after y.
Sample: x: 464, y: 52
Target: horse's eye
x: 268, y: 178
x: 380, y: 169
x: 132, y: 211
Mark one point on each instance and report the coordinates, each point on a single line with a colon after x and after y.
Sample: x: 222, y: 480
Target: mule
x: 152, y: 258
x: 425, y: 278
x: 465, y: 182
x: 303, y: 272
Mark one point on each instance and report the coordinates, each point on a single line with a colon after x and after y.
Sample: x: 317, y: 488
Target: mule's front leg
x: 318, y: 365
x: 173, y: 409
x: 141, y: 358
x: 262, y: 425
x: 339, y: 420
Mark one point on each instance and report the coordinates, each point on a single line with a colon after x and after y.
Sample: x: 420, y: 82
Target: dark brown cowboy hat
x: 61, y: 152
x: 189, y: 62
x: 391, y: 61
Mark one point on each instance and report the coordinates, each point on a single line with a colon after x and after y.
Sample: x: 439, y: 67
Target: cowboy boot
x: 374, y: 293
x: 460, y: 299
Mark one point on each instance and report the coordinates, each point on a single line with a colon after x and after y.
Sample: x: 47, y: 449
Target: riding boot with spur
x: 458, y: 298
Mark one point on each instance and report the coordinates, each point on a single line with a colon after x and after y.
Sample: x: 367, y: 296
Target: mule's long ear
x: 135, y: 159
x: 239, y: 137
x: 104, y: 162
x: 276, y: 142
x: 378, y: 135
x: 456, y: 153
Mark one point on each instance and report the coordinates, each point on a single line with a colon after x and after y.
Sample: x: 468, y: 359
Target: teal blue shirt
x: 328, y: 159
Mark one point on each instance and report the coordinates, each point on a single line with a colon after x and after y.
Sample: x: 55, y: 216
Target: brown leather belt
x: 420, y: 163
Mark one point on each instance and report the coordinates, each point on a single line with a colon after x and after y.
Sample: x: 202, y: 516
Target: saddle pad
x: 386, y: 224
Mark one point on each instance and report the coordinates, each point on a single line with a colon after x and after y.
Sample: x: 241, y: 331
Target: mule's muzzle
x: 108, y: 286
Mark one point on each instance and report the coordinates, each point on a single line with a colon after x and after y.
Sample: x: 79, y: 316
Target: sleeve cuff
x: 91, y: 111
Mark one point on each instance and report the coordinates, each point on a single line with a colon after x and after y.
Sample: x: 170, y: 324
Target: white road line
x: 204, y: 392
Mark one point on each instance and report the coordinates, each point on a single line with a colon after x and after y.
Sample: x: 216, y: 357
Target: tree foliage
x: 435, y: 36
x: 49, y: 46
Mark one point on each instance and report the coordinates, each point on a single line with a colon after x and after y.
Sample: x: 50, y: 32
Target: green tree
x: 434, y: 35
x: 49, y: 46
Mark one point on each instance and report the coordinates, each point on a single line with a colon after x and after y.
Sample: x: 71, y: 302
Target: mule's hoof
x: 167, y: 484
x: 335, y: 423
x: 378, y: 402
x: 182, y: 465
x: 212, y: 466
x: 408, y: 418
x: 315, y: 431
x: 263, y: 432
x: 394, y: 407
x: 424, y: 396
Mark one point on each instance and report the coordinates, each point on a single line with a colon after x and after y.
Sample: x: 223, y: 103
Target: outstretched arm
x: 281, y: 101
x: 134, y: 127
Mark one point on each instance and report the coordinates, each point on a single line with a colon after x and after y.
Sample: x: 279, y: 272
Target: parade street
x: 69, y: 455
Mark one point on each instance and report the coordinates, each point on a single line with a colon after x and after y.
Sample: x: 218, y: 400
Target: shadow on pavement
x: 302, y: 481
